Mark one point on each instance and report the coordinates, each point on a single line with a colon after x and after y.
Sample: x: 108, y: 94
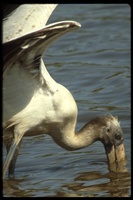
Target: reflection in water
x: 111, y: 184
x: 12, y: 188
x: 117, y: 185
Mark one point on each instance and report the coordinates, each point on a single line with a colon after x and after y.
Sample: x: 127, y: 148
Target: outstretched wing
x: 22, y: 66
x: 24, y: 19
x: 29, y: 48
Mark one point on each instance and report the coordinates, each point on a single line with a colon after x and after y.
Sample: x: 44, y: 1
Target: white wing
x: 22, y: 72
x: 25, y: 19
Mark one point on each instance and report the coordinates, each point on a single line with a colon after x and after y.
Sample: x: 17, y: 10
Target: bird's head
x: 108, y: 130
x: 112, y: 133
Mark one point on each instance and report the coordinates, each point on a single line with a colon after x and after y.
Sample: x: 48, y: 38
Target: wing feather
x: 24, y: 69
x: 25, y: 19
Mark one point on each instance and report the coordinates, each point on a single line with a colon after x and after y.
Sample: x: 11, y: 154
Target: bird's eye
x: 117, y: 136
x: 108, y: 130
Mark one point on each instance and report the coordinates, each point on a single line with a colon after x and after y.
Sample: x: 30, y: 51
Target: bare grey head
x: 104, y: 128
x: 107, y: 128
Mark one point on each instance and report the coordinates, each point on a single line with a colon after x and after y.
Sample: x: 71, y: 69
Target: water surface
x: 93, y: 62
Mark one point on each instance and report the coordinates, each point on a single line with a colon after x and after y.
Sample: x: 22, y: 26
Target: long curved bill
x: 116, y: 158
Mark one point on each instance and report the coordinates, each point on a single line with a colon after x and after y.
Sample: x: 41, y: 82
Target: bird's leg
x: 13, y: 161
x: 13, y: 149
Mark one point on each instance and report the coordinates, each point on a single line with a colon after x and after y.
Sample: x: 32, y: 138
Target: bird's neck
x: 71, y: 140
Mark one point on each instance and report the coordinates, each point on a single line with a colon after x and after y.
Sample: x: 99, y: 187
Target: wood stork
x: 33, y: 102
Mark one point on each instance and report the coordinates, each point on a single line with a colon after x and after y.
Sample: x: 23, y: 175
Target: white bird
x: 33, y: 102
